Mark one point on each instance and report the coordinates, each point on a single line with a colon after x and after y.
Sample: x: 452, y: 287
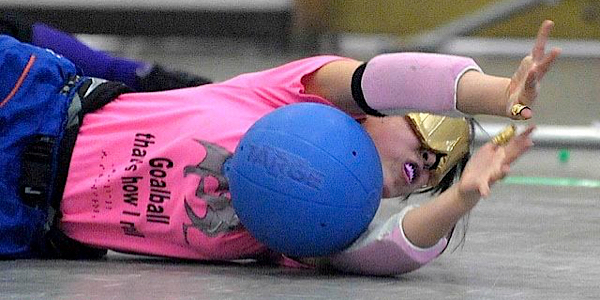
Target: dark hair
x: 451, y: 177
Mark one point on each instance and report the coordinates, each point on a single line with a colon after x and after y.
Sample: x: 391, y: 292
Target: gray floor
x: 524, y: 242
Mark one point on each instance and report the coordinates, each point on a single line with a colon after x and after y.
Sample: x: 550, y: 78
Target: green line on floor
x: 552, y: 181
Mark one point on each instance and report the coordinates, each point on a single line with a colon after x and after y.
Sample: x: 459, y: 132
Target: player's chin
x: 387, y: 191
x: 393, y: 191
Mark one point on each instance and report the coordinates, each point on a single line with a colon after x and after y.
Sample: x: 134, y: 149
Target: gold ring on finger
x: 516, y: 109
x: 505, y: 135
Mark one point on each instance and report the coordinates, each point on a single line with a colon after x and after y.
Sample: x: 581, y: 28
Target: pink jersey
x: 145, y: 175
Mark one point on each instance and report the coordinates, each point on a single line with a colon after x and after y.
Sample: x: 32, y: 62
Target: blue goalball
x: 305, y: 180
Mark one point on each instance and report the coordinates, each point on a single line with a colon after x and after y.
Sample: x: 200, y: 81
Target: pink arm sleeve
x: 403, y: 82
x: 385, y: 250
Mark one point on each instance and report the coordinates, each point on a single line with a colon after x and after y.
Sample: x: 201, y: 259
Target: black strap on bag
x: 92, y: 95
x: 35, y: 182
x: 36, y: 167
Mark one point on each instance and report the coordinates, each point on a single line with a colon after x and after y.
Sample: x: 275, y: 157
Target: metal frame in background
x: 548, y: 136
x: 433, y: 40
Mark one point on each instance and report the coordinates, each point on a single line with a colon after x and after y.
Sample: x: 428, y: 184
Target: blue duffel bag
x: 36, y: 92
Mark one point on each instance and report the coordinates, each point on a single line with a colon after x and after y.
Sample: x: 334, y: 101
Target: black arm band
x: 357, y: 92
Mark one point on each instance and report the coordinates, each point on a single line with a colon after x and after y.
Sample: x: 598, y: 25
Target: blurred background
x: 540, y: 237
x: 222, y: 38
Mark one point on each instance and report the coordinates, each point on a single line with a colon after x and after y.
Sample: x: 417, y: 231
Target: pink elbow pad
x: 385, y: 250
x: 399, y: 83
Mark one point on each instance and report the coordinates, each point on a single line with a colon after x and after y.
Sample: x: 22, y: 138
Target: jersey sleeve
x: 283, y: 85
x: 385, y: 250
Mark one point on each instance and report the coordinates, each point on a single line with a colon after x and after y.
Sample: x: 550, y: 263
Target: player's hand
x: 524, y: 85
x: 490, y: 164
x: 518, y: 145
x: 484, y: 168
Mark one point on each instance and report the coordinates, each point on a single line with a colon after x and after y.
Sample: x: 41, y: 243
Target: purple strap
x: 94, y: 63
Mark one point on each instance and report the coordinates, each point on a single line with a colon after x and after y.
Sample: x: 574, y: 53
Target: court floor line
x: 552, y: 181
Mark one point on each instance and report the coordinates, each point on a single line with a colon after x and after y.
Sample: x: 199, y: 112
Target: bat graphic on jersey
x: 220, y: 216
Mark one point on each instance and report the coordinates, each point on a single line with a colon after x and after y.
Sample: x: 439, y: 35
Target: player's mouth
x: 411, y: 172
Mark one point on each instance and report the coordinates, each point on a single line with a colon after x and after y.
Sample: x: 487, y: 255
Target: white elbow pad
x: 385, y: 250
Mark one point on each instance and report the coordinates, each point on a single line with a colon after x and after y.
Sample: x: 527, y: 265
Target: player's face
x: 406, y: 164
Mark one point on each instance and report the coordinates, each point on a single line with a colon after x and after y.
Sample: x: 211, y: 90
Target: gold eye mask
x: 449, y: 138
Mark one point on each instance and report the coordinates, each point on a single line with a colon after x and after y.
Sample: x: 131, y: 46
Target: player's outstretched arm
x: 426, y: 225
x: 444, y: 84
